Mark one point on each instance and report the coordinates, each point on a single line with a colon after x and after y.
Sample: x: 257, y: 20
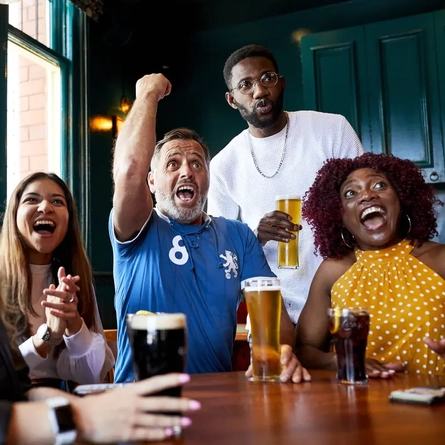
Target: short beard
x: 254, y: 119
x: 166, y: 204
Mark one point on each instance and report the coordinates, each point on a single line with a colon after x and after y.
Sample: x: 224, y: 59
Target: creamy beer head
x: 284, y: 197
x: 158, y: 322
x: 260, y: 283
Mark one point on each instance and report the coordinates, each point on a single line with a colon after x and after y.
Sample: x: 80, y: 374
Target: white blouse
x: 86, y: 358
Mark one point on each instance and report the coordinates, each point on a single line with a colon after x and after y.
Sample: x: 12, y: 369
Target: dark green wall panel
x: 334, y: 76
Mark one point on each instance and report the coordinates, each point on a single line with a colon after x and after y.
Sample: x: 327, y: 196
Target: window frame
x: 68, y: 49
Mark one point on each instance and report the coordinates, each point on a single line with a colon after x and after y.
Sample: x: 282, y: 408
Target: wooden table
x: 238, y: 412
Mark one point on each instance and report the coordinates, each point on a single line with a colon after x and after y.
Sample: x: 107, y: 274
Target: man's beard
x: 259, y: 121
x: 167, y: 205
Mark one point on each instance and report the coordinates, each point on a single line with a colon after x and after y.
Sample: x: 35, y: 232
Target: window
x: 32, y: 18
x: 44, y: 61
x: 33, y: 117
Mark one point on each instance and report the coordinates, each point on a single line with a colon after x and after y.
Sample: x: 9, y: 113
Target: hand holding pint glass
x: 288, y: 252
x: 350, y: 327
x: 263, y: 299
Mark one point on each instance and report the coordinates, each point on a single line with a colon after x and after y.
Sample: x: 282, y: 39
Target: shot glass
x: 349, y: 328
x: 288, y: 257
x: 263, y: 299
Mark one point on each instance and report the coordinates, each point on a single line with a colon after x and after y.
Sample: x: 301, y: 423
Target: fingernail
x: 194, y: 404
x: 168, y: 432
x: 391, y: 371
x: 184, y: 378
x: 185, y: 421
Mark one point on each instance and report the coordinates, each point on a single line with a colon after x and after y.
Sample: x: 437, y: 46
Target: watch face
x: 64, y: 416
x: 43, y: 332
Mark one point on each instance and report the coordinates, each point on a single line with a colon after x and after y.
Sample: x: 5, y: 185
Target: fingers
x: 394, y: 366
x: 61, y: 304
x: 157, y: 383
x: 164, y: 404
x: 375, y: 369
x: 277, y: 226
x: 168, y: 89
x: 248, y: 373
x: 61, y: 273
x: 292, y: 367
x: 58, y: 310
x: 142, y: 434
x: 436, y: 346
x: 68, y: 284
x: 65, y: 297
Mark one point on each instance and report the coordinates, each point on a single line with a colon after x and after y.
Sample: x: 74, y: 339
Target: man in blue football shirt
x: 174, y: 257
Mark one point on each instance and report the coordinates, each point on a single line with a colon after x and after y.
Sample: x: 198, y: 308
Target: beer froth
x: 261, y: 288
x: 158, y: 322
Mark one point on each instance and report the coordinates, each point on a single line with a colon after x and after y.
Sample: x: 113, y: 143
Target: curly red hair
x: 322, y: 207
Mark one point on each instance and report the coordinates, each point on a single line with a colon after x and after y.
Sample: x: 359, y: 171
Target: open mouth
x: 373, y: 217
x: 185, y: 193
x: 264, y: 106
x: 44, y: 227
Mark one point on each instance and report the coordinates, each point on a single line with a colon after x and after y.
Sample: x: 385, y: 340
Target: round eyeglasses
x: 268, y: 80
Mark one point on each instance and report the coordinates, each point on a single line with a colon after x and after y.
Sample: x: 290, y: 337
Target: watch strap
x: 61, y: 418
x: 46, y: 337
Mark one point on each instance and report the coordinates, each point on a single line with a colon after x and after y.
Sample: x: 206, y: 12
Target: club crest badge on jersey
x: 231, y: 264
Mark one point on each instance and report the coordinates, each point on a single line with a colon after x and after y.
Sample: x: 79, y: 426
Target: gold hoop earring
x: 343, y: 238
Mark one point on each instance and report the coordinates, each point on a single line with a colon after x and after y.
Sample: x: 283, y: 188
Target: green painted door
x: 403, y: 92
x: 334, y: 76
x: 388, y: 79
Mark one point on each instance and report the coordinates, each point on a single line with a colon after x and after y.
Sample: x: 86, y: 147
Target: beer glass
x: 350, y: 327
x: 288, y: 252
x: 159, y: 346
x: 263, y: 299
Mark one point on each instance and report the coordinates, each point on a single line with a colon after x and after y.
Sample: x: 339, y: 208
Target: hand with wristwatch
x: 62, y: 317
x: 108, y: 417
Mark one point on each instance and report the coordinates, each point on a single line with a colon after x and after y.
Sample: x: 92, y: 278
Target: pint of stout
x: 159, y: 346
x: 288, y: 257
x: 263, y: 299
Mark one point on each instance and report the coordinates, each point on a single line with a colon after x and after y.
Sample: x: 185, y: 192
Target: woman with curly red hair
x: 373, y: 220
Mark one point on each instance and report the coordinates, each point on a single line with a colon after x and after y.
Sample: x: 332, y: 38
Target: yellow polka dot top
x: 406, y: 302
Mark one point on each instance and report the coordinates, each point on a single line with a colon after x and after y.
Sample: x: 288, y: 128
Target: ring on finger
x: 72, y: 299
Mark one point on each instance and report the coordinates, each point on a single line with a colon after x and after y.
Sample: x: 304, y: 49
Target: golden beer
x: 288, y: 252
x: 263, y: 298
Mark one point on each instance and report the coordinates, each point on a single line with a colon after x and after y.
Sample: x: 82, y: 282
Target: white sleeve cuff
x: 31, y: 356
x: 79, y: 343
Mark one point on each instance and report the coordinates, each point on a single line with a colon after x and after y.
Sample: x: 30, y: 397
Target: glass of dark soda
x: 349, y: 328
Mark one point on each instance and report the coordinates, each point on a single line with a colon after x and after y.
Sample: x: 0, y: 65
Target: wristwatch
x: 44, y: 333
x: 61, y: 418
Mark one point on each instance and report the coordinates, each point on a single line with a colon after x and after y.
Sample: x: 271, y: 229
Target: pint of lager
x: 159, y: 346
x: 263, y: 299
x: 288, y: 252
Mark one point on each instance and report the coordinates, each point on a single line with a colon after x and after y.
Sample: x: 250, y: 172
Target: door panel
x: 403, y: 91
x: 334, y: 76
